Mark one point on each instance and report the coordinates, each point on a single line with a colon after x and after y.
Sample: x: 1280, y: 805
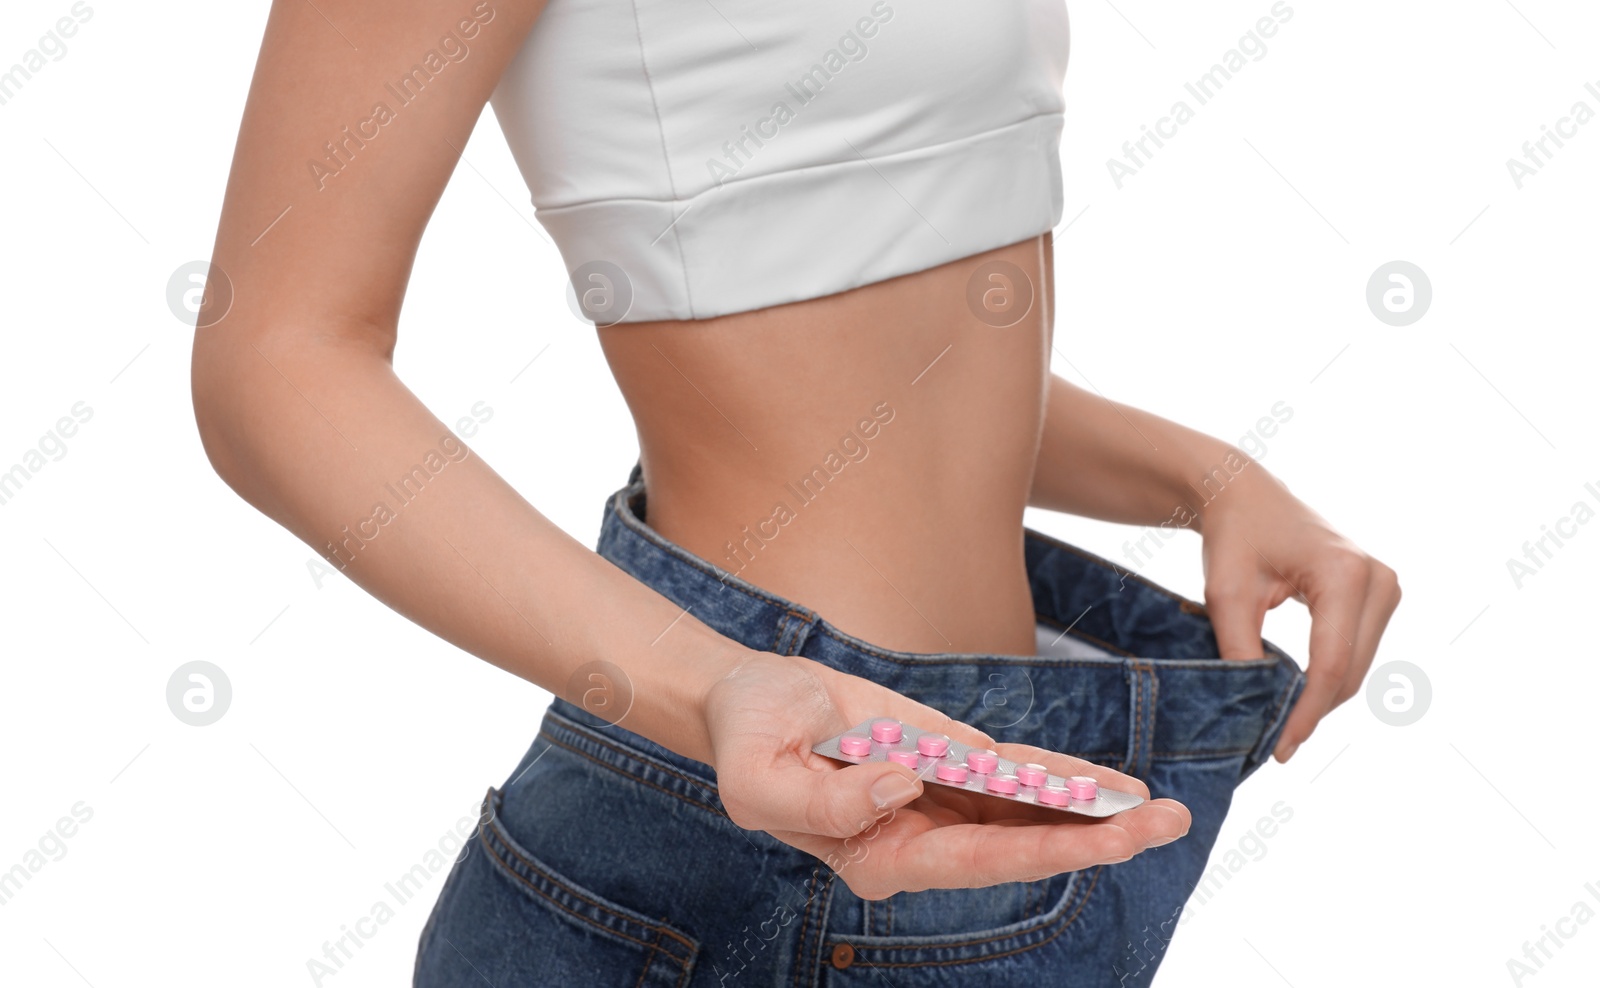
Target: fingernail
x: 1289, y: 752
x: 892, y: 790
x: 1163, y: 840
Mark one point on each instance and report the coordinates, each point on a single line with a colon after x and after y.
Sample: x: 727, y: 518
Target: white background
x: 1228, y: 275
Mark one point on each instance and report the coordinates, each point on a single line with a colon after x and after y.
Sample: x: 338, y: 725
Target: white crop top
x: 748, y: 153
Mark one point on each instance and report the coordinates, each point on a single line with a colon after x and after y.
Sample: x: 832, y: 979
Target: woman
x: 816, y: 242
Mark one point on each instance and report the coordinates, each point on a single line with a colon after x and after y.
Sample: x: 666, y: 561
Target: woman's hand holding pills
x: 876, y: 824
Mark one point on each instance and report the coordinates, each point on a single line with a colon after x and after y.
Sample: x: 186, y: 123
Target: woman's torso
x: 909, y: 535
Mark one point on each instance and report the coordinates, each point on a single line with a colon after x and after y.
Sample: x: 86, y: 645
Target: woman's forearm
x: 1110, y: 461
x: 326, y: 440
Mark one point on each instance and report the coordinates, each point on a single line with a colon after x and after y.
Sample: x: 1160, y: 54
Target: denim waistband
x: 1140, y: 681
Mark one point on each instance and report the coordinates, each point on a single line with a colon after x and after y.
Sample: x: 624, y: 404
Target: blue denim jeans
x: 608, y: 860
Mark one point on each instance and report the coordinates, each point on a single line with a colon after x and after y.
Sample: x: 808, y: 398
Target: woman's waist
x: 912, y: 559
x: 867, y: 454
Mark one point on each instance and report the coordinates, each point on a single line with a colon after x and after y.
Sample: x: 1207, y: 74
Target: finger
x: 972, y: 856
x: 1335, y: 624
x: 765, y: 791
x: 1383, y: 596
x: 1237, y: 614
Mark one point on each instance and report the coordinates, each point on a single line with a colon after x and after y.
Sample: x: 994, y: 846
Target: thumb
x: 1236, y: 619
x: 832, y: 802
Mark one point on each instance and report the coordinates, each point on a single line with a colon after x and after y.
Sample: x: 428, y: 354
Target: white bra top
x: 746, y: 154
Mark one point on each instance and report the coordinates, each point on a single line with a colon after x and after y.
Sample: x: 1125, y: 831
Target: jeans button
x: 843, y: 956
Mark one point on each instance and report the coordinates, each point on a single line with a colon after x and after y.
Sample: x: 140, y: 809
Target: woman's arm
x: 1105, y: 460
x: 1260, y: 544
x: 349, y: 135
x: 300, y: 410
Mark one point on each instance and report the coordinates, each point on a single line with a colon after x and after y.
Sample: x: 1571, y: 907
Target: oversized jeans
x: 606, y: 860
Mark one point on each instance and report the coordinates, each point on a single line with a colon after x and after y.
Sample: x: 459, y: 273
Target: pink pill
x: 933, y: 745
x: 952, y: 772
x: 855, y: 744
x: 1053, y: 796
x: 1002, y: 783
x: 1082, y: 787
x: 1032, y: 775
x: 886, y: 731
x: 982, y: 762
x: 907, y: 758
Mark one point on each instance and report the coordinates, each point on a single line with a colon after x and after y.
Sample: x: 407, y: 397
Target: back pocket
x: 522, y: 922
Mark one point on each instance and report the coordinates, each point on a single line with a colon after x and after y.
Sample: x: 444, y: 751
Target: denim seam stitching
x: 636, y: 778
x: 649, y: 960
x: 805, y: 923
x: 489, y: 843
x: 1066, y: 921
x: 1064, y: 904
x: 584, y: 734
x: 1126, y: 763
x: 1195, y: 754
x: 1147, y: 733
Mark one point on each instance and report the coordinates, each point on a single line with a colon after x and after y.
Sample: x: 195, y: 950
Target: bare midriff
x: 867, y: 455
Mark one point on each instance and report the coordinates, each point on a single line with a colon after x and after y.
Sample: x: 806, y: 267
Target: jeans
x: 608, y: 860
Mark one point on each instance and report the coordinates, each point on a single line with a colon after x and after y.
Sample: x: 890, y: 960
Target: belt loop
x: 1142, y: 691
x: 794, y: 628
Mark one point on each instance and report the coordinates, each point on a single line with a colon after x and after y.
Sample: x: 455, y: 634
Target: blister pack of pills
x: 938, y: 759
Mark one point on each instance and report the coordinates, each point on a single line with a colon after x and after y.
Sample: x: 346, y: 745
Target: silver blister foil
x: 1105, y: 803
